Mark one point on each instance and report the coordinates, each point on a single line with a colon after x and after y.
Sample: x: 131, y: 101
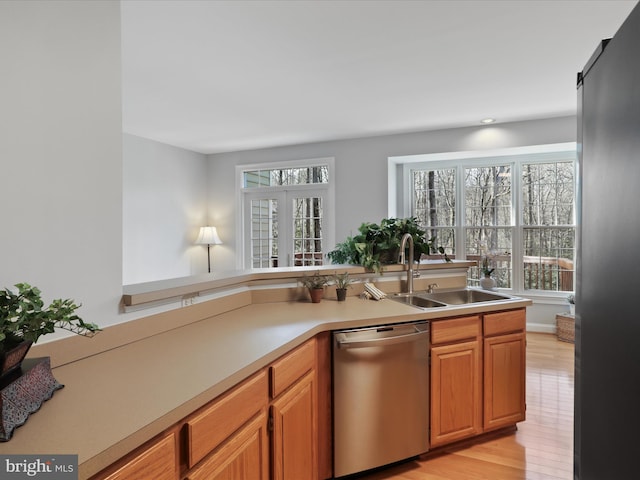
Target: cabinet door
x: 159, y: 461
x: 244, y: 456
x: 504, y: 380
x: 294, y: 436
x: 456, y: 387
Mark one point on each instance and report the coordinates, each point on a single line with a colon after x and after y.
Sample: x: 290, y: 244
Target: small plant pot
x: 487, y: 283
x: 342, y: 294
x: 11, y: 359
x: 316, y: 294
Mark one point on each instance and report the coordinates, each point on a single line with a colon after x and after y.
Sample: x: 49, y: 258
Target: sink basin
x: 461, y: 297
x: 417, y: 301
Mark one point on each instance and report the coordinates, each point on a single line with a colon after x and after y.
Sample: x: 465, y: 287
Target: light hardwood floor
x: 542, y: 446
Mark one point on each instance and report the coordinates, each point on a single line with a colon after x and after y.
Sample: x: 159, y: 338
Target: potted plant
x: 24, y: 318
x: 572, y: 304
x: 315, y: 284
x: 379, y: 244
x: 342, y: 282
x: 486, y: 281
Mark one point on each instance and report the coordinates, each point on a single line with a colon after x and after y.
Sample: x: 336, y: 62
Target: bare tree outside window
x: 548, y: 193
x: 487, y: 220
x: 434, y: 205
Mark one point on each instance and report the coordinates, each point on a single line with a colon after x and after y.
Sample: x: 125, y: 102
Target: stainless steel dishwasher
x: 380, y: 395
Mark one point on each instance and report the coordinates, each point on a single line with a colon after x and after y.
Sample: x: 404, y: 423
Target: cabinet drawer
x: 289, y: 368
x: 456, y: 329
x: 158, y: 462
x: 504, y: 322
x: 244, y: 456
x: 213, y: 425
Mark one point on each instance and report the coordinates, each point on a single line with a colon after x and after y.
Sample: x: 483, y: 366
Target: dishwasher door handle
x: 343, y: 342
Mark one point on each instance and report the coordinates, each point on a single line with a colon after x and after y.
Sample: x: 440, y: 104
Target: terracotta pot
x: 342, y: 294
x: 316, y: 294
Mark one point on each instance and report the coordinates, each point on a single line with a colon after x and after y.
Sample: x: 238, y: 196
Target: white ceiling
x: 218, y: 76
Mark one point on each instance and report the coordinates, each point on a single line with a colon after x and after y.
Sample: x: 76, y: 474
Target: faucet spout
x: 407, y: 238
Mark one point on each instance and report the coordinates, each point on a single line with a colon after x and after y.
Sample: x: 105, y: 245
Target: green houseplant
x: 342, y: 282
x: 315, y: 284
x: 24, y: 318
x: 379, y: 244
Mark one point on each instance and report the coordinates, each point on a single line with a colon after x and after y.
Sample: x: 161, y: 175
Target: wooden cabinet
x: 214, y: 424
x: 264, y: 428
x: 245, y: 455
x: 294, y: 441
x: 157, y: 461
x: 294, y: 432
x: 504, y: 369
x: 456, y: 379
x: 233, y: 439
x: 277, y: 423
x: 478, y: 374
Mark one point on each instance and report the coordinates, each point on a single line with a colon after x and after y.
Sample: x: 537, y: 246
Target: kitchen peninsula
x: 144, y: 387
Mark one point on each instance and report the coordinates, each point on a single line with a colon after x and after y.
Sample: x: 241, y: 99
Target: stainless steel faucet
x: 431, y: 287
x: 403, y: 245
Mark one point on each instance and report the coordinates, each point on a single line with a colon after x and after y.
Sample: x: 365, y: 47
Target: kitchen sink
x: 461, y: 297
x: 444, y: 299
x: 416, y: 301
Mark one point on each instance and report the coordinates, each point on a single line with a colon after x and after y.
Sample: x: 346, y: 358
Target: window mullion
x: 517, y: 266
x: 460, y: 228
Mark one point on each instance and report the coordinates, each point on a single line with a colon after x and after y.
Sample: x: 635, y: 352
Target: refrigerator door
x: 607, y: 413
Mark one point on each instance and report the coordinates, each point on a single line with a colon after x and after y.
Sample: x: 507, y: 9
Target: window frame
x: 284, y: 193
x: 401, y: 170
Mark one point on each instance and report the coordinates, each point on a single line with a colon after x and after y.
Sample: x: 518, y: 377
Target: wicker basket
x: 566, y: 327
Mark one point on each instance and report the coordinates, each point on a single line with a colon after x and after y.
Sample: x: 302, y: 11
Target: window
x: 287, y: 213
x: 517, y: 209
x: 488, y: 219
x: 548, y: 232
x: 434, y: 203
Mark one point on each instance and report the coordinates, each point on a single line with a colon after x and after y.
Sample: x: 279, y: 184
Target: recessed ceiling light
x: 487, y: 120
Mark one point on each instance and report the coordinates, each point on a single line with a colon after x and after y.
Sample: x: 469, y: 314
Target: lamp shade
x: 208, y: 236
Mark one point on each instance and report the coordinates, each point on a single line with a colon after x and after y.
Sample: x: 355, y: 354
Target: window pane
x: 548, y: 201
x: 445, y: 238
x: 434, y: 205
x: 264, y: 233
x: 307, y: 235
x: 434, y: 199
x: 256, y: 178
x: 488, y: 196
x: 496, y: 243
x: 488, y: 206
x: 548, y: 193
x: 286, y: 176
x: 549, y: 258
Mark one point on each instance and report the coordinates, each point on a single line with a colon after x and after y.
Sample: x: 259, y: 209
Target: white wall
x: 165, y: 191
x: 62, y: 171
x: 61, y: 151
x: 361, y: 168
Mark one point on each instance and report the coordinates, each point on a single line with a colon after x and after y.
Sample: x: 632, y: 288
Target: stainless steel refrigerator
x: 607, y: 381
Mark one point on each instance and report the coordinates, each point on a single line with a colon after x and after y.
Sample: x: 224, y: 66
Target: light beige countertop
x: 116, y: 400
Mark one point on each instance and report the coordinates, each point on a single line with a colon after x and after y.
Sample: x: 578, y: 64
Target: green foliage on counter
x: 315, y: 281
x: 342, y: 280
x: 379, y: 244
x: 23, y: 316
